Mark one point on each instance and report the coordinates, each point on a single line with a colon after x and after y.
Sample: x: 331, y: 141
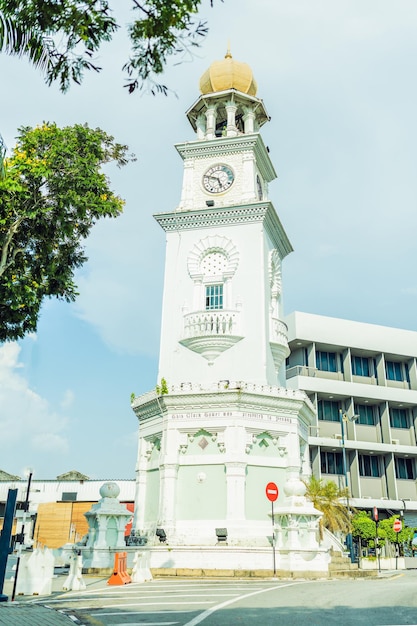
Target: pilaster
x: 169, y: 478
x: 235, y: 480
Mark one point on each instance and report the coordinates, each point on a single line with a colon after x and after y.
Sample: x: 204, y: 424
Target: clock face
x: 218, y: 178
x: 259, y: 188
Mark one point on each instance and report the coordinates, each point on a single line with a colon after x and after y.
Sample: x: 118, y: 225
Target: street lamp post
x: 344, y: 418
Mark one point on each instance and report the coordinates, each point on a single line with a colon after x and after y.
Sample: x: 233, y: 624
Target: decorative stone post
x: 297, y: 529
x: 106, y: 527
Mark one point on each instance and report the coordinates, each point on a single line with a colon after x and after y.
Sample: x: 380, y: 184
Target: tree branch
x: 4, y: 263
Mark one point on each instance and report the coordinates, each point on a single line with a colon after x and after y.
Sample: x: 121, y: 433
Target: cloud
x: 28, y: 425
x: 50, y: 442
x: 409, y: 291
x: 68, y: 399
x: 119, y: 292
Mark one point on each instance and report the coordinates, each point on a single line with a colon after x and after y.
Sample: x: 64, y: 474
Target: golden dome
x: 228, y: 74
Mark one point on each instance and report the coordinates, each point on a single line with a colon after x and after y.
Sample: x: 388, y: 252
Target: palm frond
x: 16, y: 40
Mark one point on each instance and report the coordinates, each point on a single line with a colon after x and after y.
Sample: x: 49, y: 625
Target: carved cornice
x: 279, y: 403
x: 210, y: 217
x: 227, y: 146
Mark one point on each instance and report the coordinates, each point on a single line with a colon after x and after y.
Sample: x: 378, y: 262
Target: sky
x: 339, y: 82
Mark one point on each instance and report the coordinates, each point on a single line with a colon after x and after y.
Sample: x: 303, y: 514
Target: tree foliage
x: 2, y: 157
x: 52, y: 193
x: 365, y: 529
x: 62, y: 38
x: 328, y: 498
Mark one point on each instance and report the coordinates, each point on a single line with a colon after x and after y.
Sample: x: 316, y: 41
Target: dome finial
x: 228, y: 74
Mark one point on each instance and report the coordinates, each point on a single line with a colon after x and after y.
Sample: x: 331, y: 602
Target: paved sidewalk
x: 31, y: 610
x: 12, y: 614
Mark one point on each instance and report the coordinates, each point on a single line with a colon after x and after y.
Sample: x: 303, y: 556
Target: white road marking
x: 134, y: 586
x: 146, y: 597
x: 209, y: 612
x: 187, y: 602
x: 88, y: 607
x: 107, y: 614
x: 145, y: 624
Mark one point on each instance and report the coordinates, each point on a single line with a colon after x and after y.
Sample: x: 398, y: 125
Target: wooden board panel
x: 58, y: 523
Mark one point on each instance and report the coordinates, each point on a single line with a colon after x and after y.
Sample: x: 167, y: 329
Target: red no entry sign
x: 271, y: 491
x: 397, y: 526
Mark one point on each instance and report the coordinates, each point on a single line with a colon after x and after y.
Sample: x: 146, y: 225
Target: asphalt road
x: 387, y: 601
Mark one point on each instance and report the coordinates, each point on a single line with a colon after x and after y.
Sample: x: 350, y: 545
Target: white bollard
x: 141, y: 572
x: 36, y: 570
x: 74, y: 580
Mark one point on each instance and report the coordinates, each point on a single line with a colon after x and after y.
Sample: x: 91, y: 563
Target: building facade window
x: 398, y: 418
x: 328, y: 411
x: 326, y: 361
x: 361, y: 366
x: 366, y: 414
x: 395, y: 370
x: 404, y: 468
x: 369, y: 465
x: 69, y: 496
x: 214, y: 297
x: 331, y: 463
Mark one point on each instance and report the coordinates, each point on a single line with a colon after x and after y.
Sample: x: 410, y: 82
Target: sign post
x: 271, y: 491
x: 375, y: 517
x: 397, y: 527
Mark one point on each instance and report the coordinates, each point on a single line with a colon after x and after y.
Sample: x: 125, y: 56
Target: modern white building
x: 224, y: 424
x: 367, y: 375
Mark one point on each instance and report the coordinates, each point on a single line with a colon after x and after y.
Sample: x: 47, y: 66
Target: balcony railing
x: 303, y: 370
x: 210, y: 333
x: 279, y: 331
x: 203, y: 323
x: 278, y: 341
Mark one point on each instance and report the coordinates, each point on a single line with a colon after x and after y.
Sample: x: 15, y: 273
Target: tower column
x: 231, y: 129
x: 201, y: 126
x: 249, y: 122
x: 235, y: 490
x: 211, y: 122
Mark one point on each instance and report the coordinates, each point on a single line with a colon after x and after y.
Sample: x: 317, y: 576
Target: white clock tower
x: 221, y: 424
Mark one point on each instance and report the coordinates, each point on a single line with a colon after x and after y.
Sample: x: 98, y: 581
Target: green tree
x: 363, y: 527
x: 63, y: 37
x: 386, y: 527
x: 52, y: 193
x: 2, y: 158
x: 328, y: 498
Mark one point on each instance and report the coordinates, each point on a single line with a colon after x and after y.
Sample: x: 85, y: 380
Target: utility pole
x: 5, y: 537
x: 22, y: 533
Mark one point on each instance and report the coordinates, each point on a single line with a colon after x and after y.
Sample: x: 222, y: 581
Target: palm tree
x: 328, y: 498
x: 16, y: 39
